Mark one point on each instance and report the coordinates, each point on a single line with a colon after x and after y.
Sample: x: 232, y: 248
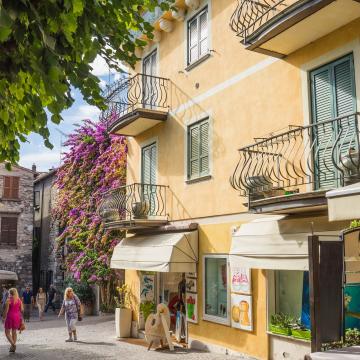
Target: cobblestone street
x: 46, y: 340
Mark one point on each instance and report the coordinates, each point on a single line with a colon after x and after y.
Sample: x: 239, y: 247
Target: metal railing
x: 139, y: 91
x: 250, y: 15
x: 134, y: 202
x: 325, y: 155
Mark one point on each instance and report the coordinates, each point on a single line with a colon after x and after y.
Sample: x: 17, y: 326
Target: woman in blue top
x: 71, y: 308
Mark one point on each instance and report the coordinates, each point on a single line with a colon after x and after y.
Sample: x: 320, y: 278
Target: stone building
x: 47, y: 258
x: 16, y: 225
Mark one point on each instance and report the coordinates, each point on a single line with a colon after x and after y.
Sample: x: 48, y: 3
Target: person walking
x: 5, y: 294
x: 71, y: 306
x: 28, y: 301
x: 12, y: 317
x: 40, y: 303
x: 51, y: 296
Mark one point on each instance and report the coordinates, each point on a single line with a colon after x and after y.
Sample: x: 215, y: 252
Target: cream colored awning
x: 275, y: 242
x: 344, y: 203
x: 8, y: 275
x: 171, y: 252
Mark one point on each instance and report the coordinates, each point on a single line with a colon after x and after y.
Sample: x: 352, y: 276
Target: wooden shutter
x: 9, y: 230
x: 198, y: 149
x: 333, y: 95
x: 11, y: 187
x: 149, y: 164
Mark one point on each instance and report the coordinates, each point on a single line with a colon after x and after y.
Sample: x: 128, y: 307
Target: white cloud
x: 101, y: 68
x: 81, y: 112
x: 44, y: 160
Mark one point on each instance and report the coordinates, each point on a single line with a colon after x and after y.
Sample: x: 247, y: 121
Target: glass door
x: 149, y: 82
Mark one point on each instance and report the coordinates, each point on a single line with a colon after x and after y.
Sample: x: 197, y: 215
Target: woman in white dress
x: 41, y: 302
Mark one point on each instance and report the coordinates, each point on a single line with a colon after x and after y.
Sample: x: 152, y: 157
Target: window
x: 216, y: 289
x: 11, y: 187
x: 36, y: 199
x: 8, y: 230
x: 291, y: 296
x: 197, y: 34
x: 198, y: 150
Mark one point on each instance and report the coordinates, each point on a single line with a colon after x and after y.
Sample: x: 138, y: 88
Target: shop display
x: 191, y: 308
x: 191, y: 285
x: 241, y: 312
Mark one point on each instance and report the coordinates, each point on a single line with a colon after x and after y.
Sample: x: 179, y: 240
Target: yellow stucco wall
x: 216, y: 239
x: 265, y: 95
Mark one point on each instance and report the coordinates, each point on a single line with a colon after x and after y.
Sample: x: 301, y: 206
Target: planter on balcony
x: 140, y: 209
x: 351, y: 166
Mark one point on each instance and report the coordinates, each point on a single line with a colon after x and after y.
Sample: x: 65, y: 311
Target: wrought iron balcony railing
x: 320, y: 156
x: 140, y: 91
x: 134, y: 202
x: 250, y: 15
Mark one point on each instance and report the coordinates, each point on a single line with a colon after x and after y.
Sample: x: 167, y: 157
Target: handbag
x: 22, y: 326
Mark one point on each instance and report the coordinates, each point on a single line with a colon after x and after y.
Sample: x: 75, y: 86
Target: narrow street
x: 46, y: 340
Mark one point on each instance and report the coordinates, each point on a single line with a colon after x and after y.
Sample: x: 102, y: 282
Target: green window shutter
x: 148, y: 165
x: 198, y: 149
x: 332, y: 95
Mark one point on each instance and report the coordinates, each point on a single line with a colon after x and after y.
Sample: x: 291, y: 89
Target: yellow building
x: 279, y: 83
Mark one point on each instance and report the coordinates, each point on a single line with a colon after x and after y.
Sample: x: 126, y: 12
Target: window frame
x: 199, y: 58
x: 8, y: 244
x: 199, y: 177
x: 213, y: 318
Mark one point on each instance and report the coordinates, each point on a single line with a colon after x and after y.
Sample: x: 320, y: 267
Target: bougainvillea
x: 95, y: 162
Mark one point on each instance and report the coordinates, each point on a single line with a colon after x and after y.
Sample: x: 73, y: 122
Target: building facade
x: 16, y: 213
x: 48, y: 262
x: 235, y: 135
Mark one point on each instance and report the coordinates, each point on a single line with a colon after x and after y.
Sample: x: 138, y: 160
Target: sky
x: 35, y: 152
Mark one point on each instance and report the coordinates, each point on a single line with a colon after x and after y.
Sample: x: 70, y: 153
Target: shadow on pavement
x: 101, y: 343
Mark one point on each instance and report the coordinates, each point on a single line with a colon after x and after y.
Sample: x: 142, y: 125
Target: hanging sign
x: 191, y: 308
x: 241, y: 312
x: 147, y: 286
x: 240, y: 280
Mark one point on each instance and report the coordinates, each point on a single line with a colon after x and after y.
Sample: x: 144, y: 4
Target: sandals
x: 12, y: 348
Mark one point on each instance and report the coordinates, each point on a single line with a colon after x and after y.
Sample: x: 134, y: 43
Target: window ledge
x: 217, y: 320
x: 9, y: 199
x: 199, y: 179
x: 289, y: 337
x: 197, y: 62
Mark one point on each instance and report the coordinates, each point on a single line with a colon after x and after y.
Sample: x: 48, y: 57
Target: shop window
x: 216, y: 289
x: 289, y: 303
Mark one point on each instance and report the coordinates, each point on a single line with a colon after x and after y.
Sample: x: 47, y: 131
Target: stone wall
x: 19, y: 258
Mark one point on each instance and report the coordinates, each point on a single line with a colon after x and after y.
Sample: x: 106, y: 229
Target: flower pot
x: 123, y: 319
x: 301, y: 334
x: 280, y: 330
x: 140, y: 209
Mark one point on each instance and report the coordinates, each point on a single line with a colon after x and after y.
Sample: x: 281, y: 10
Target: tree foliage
x: 95, y: 163
x: 47, y: 46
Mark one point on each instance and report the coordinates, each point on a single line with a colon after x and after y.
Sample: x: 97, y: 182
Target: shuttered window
x: 332, y: 95
x: 198, y: 149
x: 11, y: 187
x: 148, y: 164
x: 8, y: 230
x: 198, y: 43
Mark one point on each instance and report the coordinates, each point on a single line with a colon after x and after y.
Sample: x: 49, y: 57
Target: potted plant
x: 123, y: 313
x: 146, y: 308
x: 281, y: 324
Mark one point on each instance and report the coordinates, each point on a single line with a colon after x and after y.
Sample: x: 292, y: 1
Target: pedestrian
x: 28, y: 302
x: 71, y: 308
x: 12, y: 317
x: 5, y: 294
x: 51, y: 295
x: 40, y: 302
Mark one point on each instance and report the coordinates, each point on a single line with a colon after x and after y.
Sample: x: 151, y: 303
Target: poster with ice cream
x: 241, y: 312
x: 240, y: 280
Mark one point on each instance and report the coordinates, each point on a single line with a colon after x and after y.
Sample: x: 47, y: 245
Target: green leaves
x: 46, y: 48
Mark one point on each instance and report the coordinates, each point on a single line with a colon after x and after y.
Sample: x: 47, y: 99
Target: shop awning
x: 275, y: 242
x: 170, y: 252
x: 344, y: 203
x: 8, y: 275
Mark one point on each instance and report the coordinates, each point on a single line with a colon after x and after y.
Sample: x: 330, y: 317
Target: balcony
x: 136, y: 104
x: 291, y: 171
x: 135, y: 206
x: 280, y: 27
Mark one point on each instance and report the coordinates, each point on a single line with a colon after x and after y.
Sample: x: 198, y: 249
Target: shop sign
x: 191, y: 308
x: 147, y: 286
x: 240, y: 280
x: 241, y: 312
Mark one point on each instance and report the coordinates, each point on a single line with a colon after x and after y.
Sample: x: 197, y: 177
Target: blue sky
x: 34, y: 151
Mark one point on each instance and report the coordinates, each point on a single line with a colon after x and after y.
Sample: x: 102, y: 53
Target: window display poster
x: 241, y: 312
x: 147, y: 287
x: 240, y: 280
x: 191, y: 308
x: 191, y: 285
